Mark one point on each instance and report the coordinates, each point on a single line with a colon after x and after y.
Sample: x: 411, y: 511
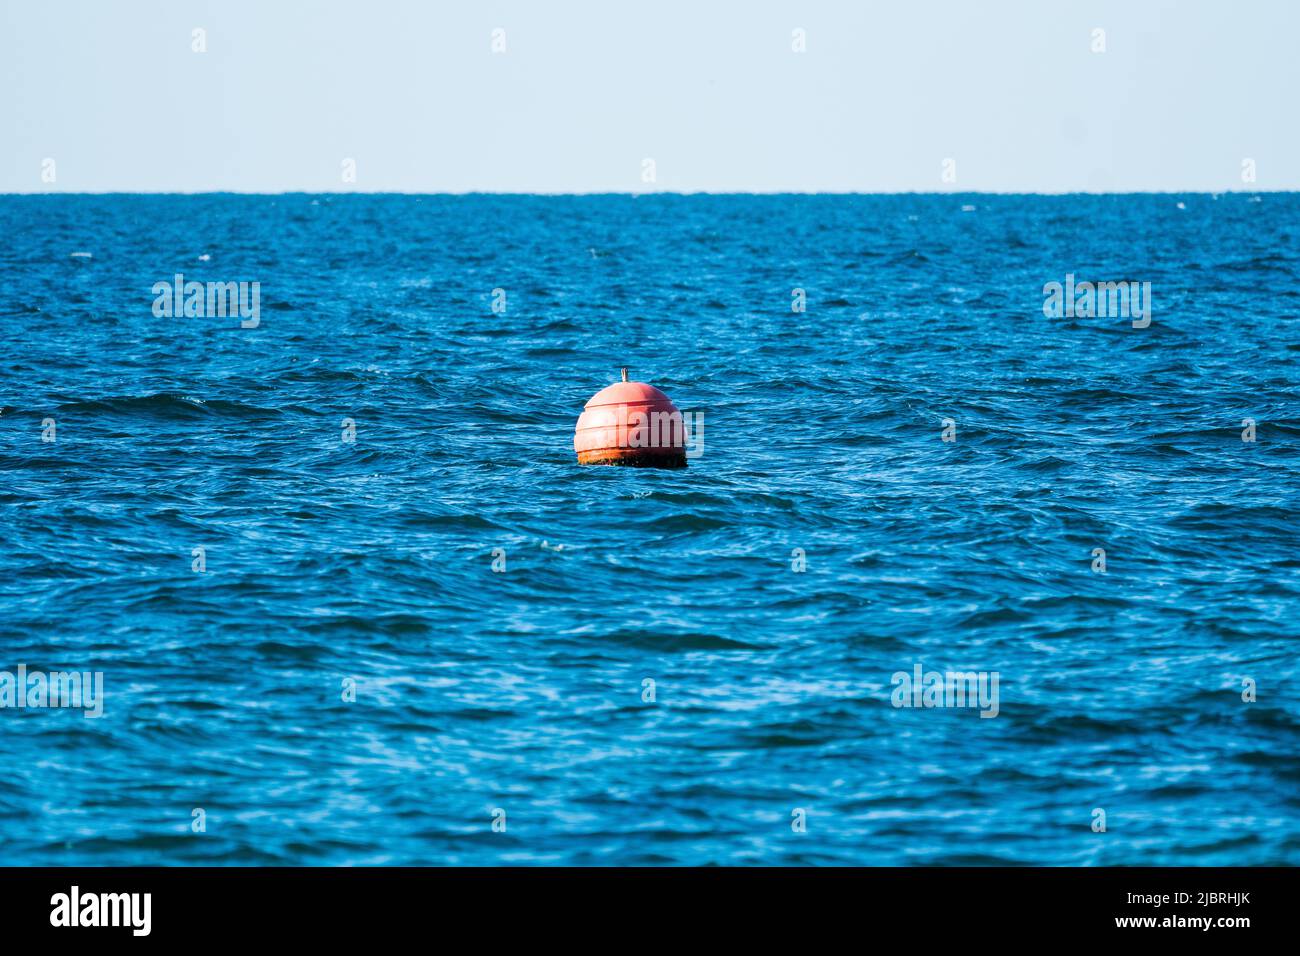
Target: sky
x: 923, y: 95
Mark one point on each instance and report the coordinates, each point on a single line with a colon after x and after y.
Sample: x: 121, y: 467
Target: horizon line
x: 650, y: 192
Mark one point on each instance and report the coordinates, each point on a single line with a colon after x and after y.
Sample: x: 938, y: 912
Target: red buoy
x: 631, y: 423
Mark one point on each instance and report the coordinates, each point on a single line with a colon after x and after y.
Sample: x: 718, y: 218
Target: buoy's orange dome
x: 631, y: 423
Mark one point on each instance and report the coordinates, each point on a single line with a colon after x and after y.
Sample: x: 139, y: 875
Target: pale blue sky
x: 585, y: 91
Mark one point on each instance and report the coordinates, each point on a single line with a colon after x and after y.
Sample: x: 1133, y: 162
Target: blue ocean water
x: 521, y: 695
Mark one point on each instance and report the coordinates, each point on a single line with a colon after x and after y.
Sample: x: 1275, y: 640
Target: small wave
x: 698, y: 641
x: 164, y: 405
x: 912, y: 257
x: 277, y: 650
x: 1273, y: 262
